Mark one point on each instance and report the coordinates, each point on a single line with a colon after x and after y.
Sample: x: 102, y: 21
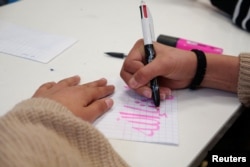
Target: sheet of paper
x: 135, y: 118
x: 31, y: 44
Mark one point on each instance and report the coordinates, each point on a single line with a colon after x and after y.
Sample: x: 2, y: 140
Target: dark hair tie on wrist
x: 200, y: 70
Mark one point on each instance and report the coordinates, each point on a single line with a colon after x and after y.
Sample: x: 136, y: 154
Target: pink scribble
x: 133, y: 115
x: 146, y: 131
x: 143, y: 116
x: 154, y: 110
x: 142, y: 123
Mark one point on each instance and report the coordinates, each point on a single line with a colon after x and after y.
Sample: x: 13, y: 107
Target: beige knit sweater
x: 40, y: 132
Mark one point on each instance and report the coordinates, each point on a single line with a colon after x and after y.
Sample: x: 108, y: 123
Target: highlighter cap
x: 167, y: 40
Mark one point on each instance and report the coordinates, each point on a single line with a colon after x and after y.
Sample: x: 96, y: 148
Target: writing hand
x: 174, y: 68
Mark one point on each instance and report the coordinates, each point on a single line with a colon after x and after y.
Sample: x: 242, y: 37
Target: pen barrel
x: 149, y: 52
x: 155, y: 91
x: 147, y: 32
x: 150, y: 55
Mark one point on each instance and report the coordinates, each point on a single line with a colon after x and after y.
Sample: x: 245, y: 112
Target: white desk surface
x: 110, y: 25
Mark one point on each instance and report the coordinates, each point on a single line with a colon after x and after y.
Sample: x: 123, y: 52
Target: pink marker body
x: 188, y: 45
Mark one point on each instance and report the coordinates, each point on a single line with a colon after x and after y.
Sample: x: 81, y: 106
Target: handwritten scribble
x: 135, y: 118
x: 142, y: 115
x: 142, y: 123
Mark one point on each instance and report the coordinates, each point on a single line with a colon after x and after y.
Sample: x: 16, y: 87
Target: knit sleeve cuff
x: 244, y: 79
x: 79, y: 133
x: 38, y: 109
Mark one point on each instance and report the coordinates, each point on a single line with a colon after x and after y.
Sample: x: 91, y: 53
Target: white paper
x: 31, y: 44
x: 135, y: 118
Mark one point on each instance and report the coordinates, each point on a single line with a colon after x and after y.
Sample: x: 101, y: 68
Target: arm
x: 42, y: 131
x: 176, y: 68
x: 221, y: 73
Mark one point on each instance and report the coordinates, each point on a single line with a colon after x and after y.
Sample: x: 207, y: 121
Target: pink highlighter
x: 187, y: 44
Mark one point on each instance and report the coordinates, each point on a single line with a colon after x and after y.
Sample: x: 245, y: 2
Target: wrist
x: 187, y: 68
x: 222, y: 72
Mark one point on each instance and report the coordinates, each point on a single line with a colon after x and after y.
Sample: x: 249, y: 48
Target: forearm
x: 221, y: 73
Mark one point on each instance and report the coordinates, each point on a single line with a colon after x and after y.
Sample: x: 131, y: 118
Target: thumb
x: 144, y: 75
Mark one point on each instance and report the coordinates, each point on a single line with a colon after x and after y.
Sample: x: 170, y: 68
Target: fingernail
x: 109, y: 103
x: 76, y: 78
x: 104, y: 79
x: 147, y: 93
x: 165, y: 93
x: 169, y: 93
x: 133, y: 83
x: 163, y: 96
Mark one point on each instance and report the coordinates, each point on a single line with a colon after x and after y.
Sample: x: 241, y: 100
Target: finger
x: 133, y: 62
x: 165, y: 93
x: 137, y: 52
x: 132, y: 66
x: 144, y: 91
x: 135, y: 57
x: 47, y: 86
x: 129, y: 69
x: 96, y: 109
x: 96, y: 93
x: 43, y: 88
x: 147, y: 92
x: 126, y: 76
x: 71, y: 81
x: 97, y: 83
x: 145, y: 74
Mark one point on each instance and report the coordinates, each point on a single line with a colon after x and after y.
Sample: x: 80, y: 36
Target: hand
x: 174, y: 68
x: 87, y: 101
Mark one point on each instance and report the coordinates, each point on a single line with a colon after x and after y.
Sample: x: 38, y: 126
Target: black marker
x: 116, y: 54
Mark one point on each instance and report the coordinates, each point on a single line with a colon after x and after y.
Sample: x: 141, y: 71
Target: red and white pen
x: 148, y: 35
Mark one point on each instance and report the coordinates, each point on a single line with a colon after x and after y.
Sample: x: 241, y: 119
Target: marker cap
x: 167, y: 40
